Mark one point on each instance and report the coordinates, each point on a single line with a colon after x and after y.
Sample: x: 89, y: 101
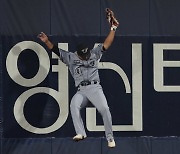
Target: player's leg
x: 77, y: 103
x: 98, y: 99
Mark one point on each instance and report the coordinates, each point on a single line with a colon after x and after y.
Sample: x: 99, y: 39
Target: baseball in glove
x: 111, y: 19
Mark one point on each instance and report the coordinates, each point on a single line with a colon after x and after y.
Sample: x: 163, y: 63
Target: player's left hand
x: 111, y: 18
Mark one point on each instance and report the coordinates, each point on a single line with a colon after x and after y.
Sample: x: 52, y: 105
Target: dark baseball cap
x: 83, y: 49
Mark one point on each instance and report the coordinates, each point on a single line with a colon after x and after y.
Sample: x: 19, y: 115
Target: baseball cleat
x: 79, y: 137
x: 111, y: 143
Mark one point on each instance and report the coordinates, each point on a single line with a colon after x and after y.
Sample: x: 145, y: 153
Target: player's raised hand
x: 111, y: 18
x: 43, y: 37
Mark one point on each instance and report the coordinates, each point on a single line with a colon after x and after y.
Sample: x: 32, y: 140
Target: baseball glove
x: 111, y: 19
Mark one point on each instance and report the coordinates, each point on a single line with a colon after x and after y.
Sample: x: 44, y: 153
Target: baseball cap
x: 83, y: 49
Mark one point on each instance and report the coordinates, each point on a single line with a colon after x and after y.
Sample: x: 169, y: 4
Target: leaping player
x: 83, y: 65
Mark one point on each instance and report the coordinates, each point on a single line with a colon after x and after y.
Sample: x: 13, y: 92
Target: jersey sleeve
x: 64, y: 56
x: 98, y: 51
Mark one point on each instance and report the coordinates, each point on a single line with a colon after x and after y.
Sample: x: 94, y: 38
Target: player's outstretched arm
x: 44, y: 38
x: 114, y: 24
x: 109, y: 39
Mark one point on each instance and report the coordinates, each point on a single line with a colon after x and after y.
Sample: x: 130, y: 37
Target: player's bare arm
x: 114, y: 24
x: 109, y: 39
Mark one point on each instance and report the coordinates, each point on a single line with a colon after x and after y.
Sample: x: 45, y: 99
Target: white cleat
x: 79, y: 137
x: 111, y: 143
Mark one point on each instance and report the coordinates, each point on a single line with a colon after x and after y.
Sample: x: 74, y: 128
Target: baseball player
x: 83, y: 66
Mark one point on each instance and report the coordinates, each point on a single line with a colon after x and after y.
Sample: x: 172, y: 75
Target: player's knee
x: 104, y: 110
x: 73, y: 106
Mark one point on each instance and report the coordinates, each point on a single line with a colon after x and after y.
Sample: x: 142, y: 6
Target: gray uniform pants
x: 95, y: 95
